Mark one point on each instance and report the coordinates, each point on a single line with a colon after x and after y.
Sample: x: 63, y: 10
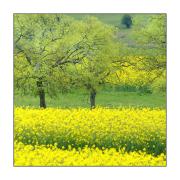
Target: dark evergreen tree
x: 127, y: 20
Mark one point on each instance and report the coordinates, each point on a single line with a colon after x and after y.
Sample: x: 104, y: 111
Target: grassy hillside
x: 125, y: 35
x: 111, y: 18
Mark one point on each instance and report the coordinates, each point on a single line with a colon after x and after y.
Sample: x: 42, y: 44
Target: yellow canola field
x: 28, y: 155
x: 130, y: 128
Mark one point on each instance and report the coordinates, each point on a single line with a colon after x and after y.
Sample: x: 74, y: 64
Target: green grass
x: 104, y: 98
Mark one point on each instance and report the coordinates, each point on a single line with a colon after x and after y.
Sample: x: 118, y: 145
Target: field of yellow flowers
x: 83, y: 137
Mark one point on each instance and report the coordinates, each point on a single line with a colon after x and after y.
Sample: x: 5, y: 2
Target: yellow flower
x: 84, y: 137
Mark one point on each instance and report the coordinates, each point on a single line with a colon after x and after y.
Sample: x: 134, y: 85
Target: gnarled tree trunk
x: 42, y: 101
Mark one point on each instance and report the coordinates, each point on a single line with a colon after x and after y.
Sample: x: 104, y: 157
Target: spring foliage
x: 62, y: 52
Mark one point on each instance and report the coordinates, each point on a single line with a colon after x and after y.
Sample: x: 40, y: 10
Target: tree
x: 155, y: 34
x: 43, y: 45
x: 153, y: 38
x: 144, y: 63
x: 127, y: 21
x: 97, y: 64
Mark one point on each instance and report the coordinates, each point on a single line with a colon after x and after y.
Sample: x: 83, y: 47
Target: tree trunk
x: 92, y: 99
x: 42, y: 101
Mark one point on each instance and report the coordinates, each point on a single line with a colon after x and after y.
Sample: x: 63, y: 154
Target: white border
x: 7, y: 8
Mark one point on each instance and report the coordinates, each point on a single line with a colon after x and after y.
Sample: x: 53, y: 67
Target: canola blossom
x: 28, y: 155
x: 83, y: 137
x: 134, y: 129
